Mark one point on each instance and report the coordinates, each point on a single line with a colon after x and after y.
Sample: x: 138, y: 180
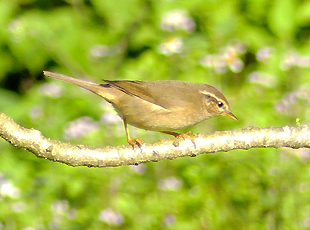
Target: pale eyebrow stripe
x: 212, y: 95
x: 208, y: 94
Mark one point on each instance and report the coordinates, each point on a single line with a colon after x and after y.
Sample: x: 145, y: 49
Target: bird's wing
x: 140, y: 89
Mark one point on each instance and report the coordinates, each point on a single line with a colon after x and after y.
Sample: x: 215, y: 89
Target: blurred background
x: 256, y: 52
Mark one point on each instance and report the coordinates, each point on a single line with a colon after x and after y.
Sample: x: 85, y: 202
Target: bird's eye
x: 220, y: 104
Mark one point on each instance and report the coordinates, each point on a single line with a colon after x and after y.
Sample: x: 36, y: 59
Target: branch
x: 110, y: 156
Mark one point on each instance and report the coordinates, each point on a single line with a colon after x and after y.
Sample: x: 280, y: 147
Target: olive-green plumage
x: 164, y: 105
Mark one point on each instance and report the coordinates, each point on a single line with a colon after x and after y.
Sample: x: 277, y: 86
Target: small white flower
x: 171, y: 183
x: 264, y: 53
x: 99, y: 51
x: 111, y: 217
x: 171, y: 46
x: 178, y: 20
x: 7, y: 189
x: 50, y: 89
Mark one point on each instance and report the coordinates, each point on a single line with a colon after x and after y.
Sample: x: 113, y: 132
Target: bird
x: 162, y: 105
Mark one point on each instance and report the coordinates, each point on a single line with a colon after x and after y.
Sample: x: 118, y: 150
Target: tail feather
x: 93, y: 87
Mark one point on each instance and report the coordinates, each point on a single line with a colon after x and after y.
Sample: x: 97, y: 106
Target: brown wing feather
x: 134, y: 88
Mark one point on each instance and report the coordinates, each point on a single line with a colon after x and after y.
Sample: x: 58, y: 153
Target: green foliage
x: 256, y: 52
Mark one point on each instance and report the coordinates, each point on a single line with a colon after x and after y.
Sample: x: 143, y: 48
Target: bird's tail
x: 93, y: 87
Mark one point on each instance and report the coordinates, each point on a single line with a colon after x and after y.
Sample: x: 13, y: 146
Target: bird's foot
x: 187, y: 135
x: 184, y: 136
x: 134, y: 142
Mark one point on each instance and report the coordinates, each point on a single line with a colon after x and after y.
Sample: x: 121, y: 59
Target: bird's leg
x: 130, y: 141
x: 176, y: 135
x: 181, y: 135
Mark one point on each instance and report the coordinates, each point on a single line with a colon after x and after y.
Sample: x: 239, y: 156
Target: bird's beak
x: 231, y: 115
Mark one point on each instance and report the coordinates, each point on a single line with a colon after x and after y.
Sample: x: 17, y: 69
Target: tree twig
x: 113, y: 156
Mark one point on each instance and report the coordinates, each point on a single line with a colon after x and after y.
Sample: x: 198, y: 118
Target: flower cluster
x: 228, y: 58
x: 173, y: 21
x: 80, y: 127
x: 294, y: 59
x: 294, y: 103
